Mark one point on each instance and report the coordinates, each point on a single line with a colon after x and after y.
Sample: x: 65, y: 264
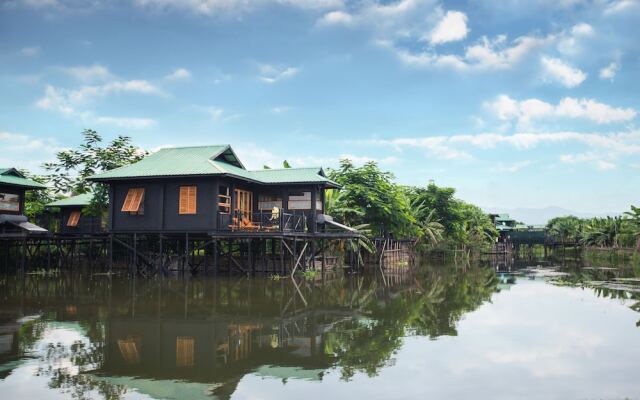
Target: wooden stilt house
x: 13, y: 187
x: 70, y: 218
x: 208, y: 189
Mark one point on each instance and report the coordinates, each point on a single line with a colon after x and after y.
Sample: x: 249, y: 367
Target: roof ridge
x: 283, y: 169
x: 195, y: 147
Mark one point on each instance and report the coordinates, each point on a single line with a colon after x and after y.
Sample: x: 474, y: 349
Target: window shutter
x: 188, y: 196
x: 74, y: 217
x: 133, y: 200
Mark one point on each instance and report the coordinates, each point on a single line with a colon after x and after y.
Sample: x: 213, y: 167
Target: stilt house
x: 208, y: 189
x: 13, y: 186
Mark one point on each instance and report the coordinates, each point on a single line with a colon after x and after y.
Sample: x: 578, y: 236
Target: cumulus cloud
x: 452, y: 27
x: 525, y: 111
x: 335, y: 18
x: 272, y: 74
x: 609, y: 72
x: 594, y: 159
x: 30, y: 51
x: 25, y: 151
x: 496, y: 53
x: 513, y: 167
x: 216, y: 7
x: 123, y: 122
x: 457, y: 147
x: 89, y: 73
x: 73, y: 102
x: 179, y: 75
x: 562, y: 72
x: 64, y: 99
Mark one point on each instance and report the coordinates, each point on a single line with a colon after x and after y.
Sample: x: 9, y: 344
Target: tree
x: 372, y: 198
x: 36, y: 200
x: 69, y: 172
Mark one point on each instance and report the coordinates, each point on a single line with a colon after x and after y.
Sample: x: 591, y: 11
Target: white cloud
x: 456, y: 147
x: 214, y: 112
x: 179, y: 74
x: 24, y: 151
x: 134, y: 123
x: 217, y: 7
x: 72, y: 103
x: 90, y: 73
x: 582, y: 29
x: 30, y: 51
x: 571, y: 42
x: 513, y: 167
x: 280, y: 109
x: 335, y: 18
x: 524, y: 112
x: 591, y: 158
x: 64, y: 100
x: 487, y: 53
x: 452, y: 27
x: 562, y: 72
x: 609, y: 72
x: 273, y: 74
x: 620, y: 6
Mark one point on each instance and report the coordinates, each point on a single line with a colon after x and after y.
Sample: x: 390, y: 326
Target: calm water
x: 440, y: 332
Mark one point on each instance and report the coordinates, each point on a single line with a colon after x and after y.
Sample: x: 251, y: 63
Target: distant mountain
x: 540, y: 216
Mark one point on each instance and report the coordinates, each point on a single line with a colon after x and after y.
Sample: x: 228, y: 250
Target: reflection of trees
x: 75, y: 383
x: 617, y: 284
x: 432, y: 307
x: 360, y: 321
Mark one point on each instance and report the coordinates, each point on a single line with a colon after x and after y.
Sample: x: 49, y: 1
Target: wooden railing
x: 263, y: 221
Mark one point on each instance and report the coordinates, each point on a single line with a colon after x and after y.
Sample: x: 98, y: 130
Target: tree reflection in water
x: 212, y: 332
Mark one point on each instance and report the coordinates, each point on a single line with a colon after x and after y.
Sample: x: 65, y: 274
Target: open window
x: 74, y: 218
x: 188, y: 200
x: 266, y: 202
x: 299, y: 201
x: 224, y: 200
x: 134, y: 202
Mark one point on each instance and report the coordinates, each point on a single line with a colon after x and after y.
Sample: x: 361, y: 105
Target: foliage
x: 610, y: 232
x: 36, y: 200
x: 369, y: 196
x: 69, y: 172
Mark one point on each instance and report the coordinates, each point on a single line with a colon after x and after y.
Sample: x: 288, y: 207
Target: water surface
x: 431, y: 332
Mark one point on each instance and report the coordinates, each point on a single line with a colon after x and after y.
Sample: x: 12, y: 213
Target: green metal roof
x: 13, y: 177
x: 80, y: 200
x: 209, y: 161
x: 504, y: 218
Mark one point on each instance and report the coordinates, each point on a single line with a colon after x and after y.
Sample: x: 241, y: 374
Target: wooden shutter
x: 188, y: 195
x: 185, y: 346
x: 133, y: 200
x: 73, y: 218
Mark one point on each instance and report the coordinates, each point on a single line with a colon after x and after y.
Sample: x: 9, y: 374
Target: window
x: 9, y: 202
x: 184, y: 351
x: 224, y: 200
x: 300, y: 201
x: 74, y: 218
x: 133, y: 203
x: 188, y: 195
x: 266, y: 202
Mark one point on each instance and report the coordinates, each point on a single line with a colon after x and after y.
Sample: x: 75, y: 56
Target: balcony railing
x: 263, y: 221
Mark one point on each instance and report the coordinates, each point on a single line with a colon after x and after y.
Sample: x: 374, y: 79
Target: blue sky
x: 516, y: 103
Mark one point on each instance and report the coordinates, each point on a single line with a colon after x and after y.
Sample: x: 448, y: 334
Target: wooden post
x: 135, y: 253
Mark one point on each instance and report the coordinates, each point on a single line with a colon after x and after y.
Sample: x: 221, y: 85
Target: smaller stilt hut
x: 70, y: 216
x: 13, y: 187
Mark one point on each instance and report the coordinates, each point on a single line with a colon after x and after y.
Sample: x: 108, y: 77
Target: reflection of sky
x: 25, y: 382
x: 536, y: 341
